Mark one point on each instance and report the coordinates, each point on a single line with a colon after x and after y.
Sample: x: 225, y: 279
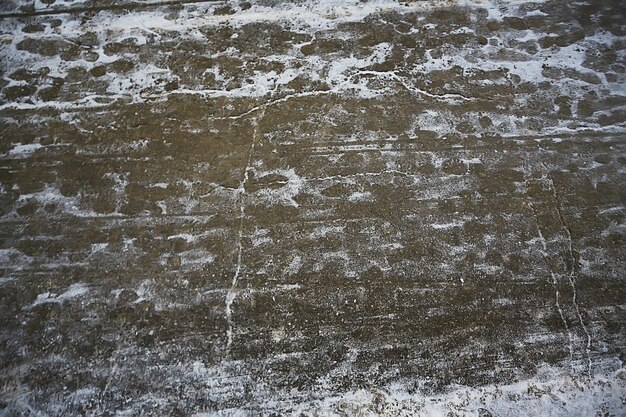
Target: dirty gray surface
x: 326, y: 208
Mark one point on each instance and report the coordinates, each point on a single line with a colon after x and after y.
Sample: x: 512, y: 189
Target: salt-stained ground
x: 312, y: 208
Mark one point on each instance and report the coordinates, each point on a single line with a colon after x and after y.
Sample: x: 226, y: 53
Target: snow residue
x: 22, y: 151
x: 441, y: 122
x: 99, y: 247
x: 196, y: 258
x: 284, y: 194
x: 66, y: 204
x: 339, y: 73
x: 322, y: 231
x: 187, y: 237
x: 361, y: 196
x: 138, y: 84
x: 611, y: 210
x: 294, y: 266
x: 145, y: 291
x: 471, y: 161
x: 614, y: 228
x: 260, y: 237
x: 288, y: 287
x: 550, y: 393
x: 74, y: 291
x: 536, y: 13
x: 14, y: 259
x: 544, y: 395
x: 445, y: 226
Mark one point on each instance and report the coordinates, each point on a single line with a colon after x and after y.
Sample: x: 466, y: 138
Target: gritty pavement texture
x: 312, y: 208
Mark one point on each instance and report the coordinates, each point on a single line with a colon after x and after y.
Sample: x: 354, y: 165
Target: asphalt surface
x: 312, y: 208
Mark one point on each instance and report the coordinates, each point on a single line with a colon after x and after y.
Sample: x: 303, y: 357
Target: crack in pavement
x: 555, y: 282
x: 571, y: 274
x: 241, y: 190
